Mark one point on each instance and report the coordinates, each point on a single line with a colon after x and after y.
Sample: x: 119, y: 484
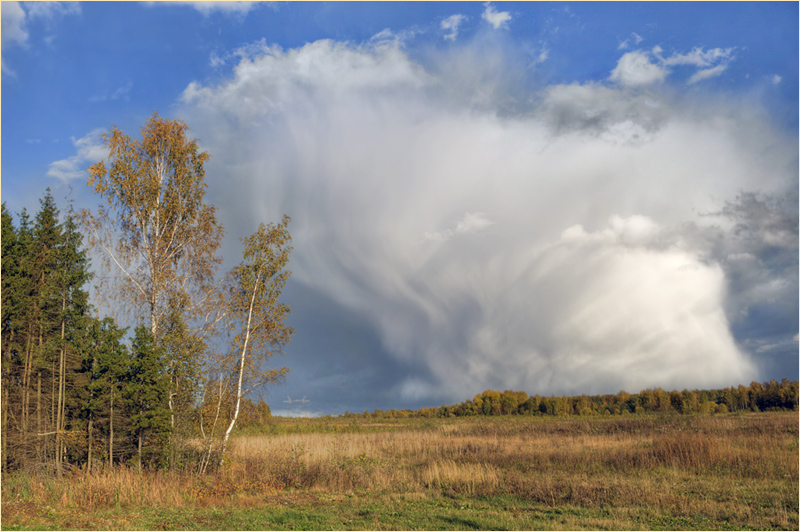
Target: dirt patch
x: 19, y: 511
x: 295, y: 499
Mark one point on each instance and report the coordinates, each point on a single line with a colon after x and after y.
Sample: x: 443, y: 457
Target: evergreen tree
x: 44, y: 270
x: 104, y: 365
x: 146, y: 390
x: 8, y: 309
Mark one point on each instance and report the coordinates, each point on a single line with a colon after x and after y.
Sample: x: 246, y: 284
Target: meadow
x: 642, y: 472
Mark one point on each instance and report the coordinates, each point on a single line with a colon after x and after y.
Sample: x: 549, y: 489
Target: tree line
x: 757, y: 397
x: 78, y: 389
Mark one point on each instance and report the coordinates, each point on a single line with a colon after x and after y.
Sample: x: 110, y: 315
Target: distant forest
x: 758, y: 397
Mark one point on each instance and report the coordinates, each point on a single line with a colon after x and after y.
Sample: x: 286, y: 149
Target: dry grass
x: 734, y: 470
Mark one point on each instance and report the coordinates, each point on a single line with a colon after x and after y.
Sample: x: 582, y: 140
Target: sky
x: 560, y: 198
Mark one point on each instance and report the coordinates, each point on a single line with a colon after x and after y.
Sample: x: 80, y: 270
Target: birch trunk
x: 111, y: 430
x: 241, y: 368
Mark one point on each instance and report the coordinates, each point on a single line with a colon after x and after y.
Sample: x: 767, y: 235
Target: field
x: 721, y: 472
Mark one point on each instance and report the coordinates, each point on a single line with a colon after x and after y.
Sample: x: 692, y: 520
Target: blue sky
x: 554, y: 197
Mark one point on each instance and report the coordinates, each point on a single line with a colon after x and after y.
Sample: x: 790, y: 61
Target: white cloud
x: 592, y: 277
x: 387, y: 37
x: 471, y: 223
x: 120, y: 93
x: 625, y: 44
x: 15, y: 18
x: 13, y: 24
x: 451, y: 24
x: 90, y: 149
x: 209, y: 8
x: 706, y: 73
x: 497, y: 19
x: 700, y: 58
x: 641, y: 68
x: 635, y: 69
x: 776, y: 79
x: 51, y: 10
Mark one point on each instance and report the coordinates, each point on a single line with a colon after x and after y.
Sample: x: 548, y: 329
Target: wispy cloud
x: 698, y: 57
x: 51, y: 10
x: 210, y: 8
x: 635, y: 37
x: 17, y: 15
x: 706, y: 73
x: 497, y: 19
x: 13, y: 22
x: 640, y: 68
x: 451, y: 25
x: 471, y: 223
x: 89, y: 149
x: 120, y: 93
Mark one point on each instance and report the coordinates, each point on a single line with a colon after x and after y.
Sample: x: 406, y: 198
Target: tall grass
x: 739, y: 469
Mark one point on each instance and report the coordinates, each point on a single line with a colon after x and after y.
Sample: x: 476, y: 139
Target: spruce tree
x: 7, y: 320
x: 146, y: 389
x: 103, y: 366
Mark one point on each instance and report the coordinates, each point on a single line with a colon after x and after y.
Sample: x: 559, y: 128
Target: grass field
x: 722, y: 472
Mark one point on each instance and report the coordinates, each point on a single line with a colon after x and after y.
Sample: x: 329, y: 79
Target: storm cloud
x: 575, y: 238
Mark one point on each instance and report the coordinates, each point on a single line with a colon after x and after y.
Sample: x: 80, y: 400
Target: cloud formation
x: 13, y: 21
x: 635, y: 69
x: 626, y: 43
x: 89, y: 150
x: 209, y: 8
x: 641, y: 68
x: 497, y: 19
x: 451, y: 24
x: 557, y: 249
x: 17, y: 15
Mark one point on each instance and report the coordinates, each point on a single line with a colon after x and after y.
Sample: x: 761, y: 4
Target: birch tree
x: 155, y: 229
x: 256, y: 315
x: 159, y: 237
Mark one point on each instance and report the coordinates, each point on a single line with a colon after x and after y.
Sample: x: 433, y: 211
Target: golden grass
x: 728, y: 469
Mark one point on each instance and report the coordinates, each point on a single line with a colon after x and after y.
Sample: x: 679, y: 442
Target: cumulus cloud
x: 497, y: 19
x: 451, y: 25
x: 89, y: 150
x: 557, y: 249
x: 635, y: 69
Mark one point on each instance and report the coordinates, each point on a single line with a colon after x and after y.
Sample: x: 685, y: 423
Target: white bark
x: 241, y: 367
